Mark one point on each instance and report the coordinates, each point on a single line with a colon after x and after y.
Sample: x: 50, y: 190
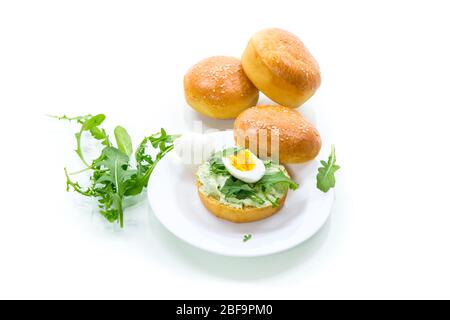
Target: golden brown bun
x: 217, y: 87
x: 237, y: 215
x: 298, y: 140
x: 279, y: 65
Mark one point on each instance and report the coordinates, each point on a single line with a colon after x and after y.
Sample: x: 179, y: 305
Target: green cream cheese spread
x: 212, y: 183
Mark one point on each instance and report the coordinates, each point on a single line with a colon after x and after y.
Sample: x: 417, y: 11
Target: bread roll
x: 279, y: 65
x: 217, y: 87
x: 277, y: 132
x: 237, y: 215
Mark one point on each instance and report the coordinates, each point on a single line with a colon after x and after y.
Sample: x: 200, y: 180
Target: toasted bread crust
x: 298, y: 140
x: 217, y: 87
x: 279, y: 65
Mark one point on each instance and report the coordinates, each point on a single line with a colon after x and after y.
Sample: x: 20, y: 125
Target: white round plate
x: 173, y: 197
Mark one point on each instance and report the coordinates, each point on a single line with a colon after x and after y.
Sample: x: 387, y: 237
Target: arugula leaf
x: 115, y: 177
x: 325, y: 177
x: 234, y: 188
x: 112, y: 176
x: 217, y: 167
x: 277, y: 180
x: 79, y: 119
x: 89, y: 124
x: 273, y: 200
x: 123, y: 140
x: 216, y: 162
x: 77, y: 188
x: 93, y: 122
x: 113, y: 165
x: 145, y: 163
x: 100, y: 134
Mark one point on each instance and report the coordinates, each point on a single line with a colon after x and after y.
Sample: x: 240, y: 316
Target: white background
x: 384, y: 102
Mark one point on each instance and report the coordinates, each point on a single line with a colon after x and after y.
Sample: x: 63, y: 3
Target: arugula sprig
x: 325, y: 177
x: 216, y: 162
x: 278, y: 180
x: 259, y: 192
x: 145, y: 163
x: 113, y: 177
x: 235, y: 188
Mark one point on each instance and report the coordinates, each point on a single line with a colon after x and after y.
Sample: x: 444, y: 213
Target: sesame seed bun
x: 237, y: 215
x: 217, y: 87
x: 298, y: 140
x: 279, y: 65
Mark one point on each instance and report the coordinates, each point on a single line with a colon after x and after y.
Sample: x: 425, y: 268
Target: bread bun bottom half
x: 237, y: 215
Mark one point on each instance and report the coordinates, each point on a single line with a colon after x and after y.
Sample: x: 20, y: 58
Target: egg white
x: 250, y: 176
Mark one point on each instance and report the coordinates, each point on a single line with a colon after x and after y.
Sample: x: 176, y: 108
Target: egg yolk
x: 243, y: 161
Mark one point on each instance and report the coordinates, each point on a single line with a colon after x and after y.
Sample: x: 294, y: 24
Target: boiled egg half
x: 245, y: 166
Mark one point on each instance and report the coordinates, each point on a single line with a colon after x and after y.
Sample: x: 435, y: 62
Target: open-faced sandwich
x: 237, y: 186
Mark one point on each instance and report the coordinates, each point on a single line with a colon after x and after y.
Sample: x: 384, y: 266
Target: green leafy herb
x: 92, y: 122
x: 325, y: 177
x: 246, y: 237
x: 64, y: 117
x: 112, y: 180
x: 260, y: 191
x: 144, y: 161
x: 112, y: 176
x: 278, y: 180
x: 123, y: 140
x: 234, y: 188
x: 89, y: 124
x: 217, y: 166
